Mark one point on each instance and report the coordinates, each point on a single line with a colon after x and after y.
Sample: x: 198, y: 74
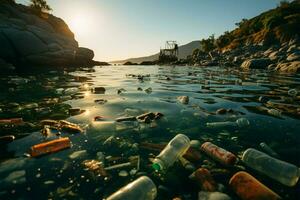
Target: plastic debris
x: 204, y: 179
x: 266, y: 148
x: 122, y: 119
x: 241, y: 122
x: 281, y: 171
x: 293, y: 92
x: 77, y: 154
x: 96, y: 167
x: 142, y: 188
x: 218, y: 154
x: 69, y: 127
x: 100, y: 101
x: 99, y: 90
x: 6, y: 139
x: 186, y: 164
x: 191, y: 154
x: 123, y: 173
x: 275, y: 112
x: 249, y: 188
x: 183, y: 99
x: 263, y: 99
x: 75, y: 111
x: 50, y: 147
x: 134, y: 161
x: 174, y: 149
x: 212, y: 196
x: 148, y: 90
x: 12, y: 121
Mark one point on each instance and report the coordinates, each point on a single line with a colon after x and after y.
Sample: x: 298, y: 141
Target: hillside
x: 184, y: 51
x: 277, y: 25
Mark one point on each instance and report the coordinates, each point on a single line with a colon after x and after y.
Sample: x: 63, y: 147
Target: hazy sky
x: 119, y: 29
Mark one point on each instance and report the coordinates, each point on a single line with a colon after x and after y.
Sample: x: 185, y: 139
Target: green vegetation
x: 208, y: 44
x: 40, y: 6
x: 274, y: 26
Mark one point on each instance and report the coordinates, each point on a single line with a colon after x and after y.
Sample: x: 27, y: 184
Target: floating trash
x: 247, y: 187
x: 142, y: 188
x: 175, y: 148
x: 281, y: 171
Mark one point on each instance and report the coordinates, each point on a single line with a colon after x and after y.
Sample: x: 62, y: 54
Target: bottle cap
x: 156, y: 166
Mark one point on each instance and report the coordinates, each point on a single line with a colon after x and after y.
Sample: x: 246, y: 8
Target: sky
x: 120, y: 29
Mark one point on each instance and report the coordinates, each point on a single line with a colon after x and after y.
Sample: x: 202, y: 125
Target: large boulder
x: 257, y: 63
x: 294, y: 56
x: 289, y: 67
x: 28, y: 38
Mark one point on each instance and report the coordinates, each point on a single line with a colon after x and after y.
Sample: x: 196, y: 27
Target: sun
x: 81, y: 24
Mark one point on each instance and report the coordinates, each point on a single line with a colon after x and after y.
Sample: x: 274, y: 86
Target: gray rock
x: 292, y: 48
x: 273, y: 55
x: 260, y: 63
x: 294, y: 56
x: 291, y: 67
x: 29, y: 39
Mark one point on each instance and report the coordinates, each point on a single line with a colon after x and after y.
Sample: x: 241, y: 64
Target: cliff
x: 29, y: 38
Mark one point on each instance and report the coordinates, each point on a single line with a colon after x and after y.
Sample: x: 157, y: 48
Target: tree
x: 241, y: 23
x: 40, y: 5
x: 208, y: 44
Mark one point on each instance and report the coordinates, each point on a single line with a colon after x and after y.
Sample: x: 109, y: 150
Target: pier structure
x: 170, y: 52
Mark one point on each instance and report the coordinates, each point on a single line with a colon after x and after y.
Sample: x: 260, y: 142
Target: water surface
x: 62, y: 176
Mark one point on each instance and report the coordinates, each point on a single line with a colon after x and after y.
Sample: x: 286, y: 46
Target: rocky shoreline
x: 35, y: 39
x: 283, y: 57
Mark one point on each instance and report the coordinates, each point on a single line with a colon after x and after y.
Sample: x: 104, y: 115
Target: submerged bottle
x: 142, y: 188
x: 275, y: 112
x: 249, y: 188
x: 283, y: 172
x: 218, y: 154
x: 241, y: 122
x: 266, y: 148
x: 175, y: 148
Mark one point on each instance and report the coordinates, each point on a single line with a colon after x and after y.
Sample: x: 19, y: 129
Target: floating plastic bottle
x: 283, y: 172
x: 142, y: 188
x: 293, y: 92
x: 217, y: 153
x: 263, y: 99
x: 275, y: 112
x: 241, y: 122
x: 175, y: 149
x: 249, y: 188
x: 266, y: 148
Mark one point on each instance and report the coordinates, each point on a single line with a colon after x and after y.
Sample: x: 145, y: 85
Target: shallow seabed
x: 62, y: 175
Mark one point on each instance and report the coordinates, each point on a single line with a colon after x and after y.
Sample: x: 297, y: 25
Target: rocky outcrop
x: 260, y: 63
x: 289, y: 67
x: 282, y: 57
x: 29, y: 38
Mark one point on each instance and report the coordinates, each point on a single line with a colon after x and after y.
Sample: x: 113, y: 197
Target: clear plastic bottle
x: 285, y: 173
x: 241, y: 122
x: 142, y: 188
x: 266, y: 148
x: 275, y: 112
x: 176, y: 148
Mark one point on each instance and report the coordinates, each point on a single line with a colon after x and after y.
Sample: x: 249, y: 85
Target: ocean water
x: 62, y: 175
